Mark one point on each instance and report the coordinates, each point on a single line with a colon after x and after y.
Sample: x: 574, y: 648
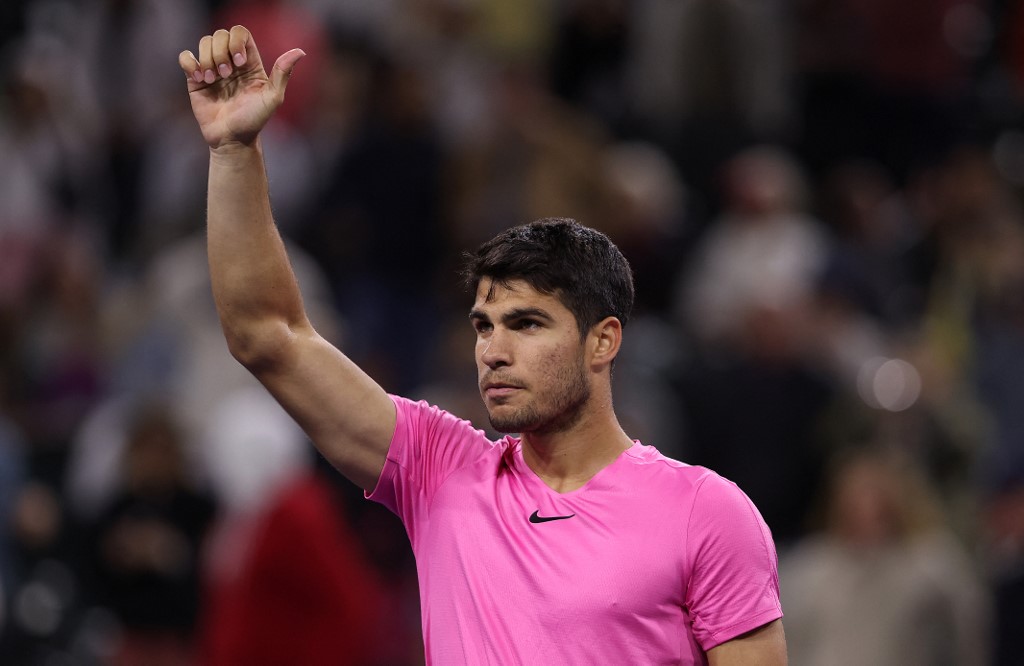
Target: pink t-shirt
x: 651, y: 562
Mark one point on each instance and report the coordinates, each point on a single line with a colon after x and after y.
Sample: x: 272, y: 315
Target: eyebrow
x: 511, y: 315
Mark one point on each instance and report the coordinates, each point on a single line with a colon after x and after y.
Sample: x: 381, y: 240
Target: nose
x: 494, y: 350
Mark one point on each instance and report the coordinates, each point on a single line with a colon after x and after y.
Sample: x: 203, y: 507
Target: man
x: 571, y: 544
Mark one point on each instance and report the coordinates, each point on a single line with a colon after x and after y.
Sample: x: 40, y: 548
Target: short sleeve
x: 428, y: 445
x: 733, y: 585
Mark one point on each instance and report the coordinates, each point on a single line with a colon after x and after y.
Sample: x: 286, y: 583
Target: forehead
x: 497, y: 297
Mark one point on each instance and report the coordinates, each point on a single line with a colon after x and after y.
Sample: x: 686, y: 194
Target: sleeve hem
x: 726, y: 634
x: 388, y: 460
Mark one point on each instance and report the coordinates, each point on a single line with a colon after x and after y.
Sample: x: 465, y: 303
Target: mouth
x: 496, y: 390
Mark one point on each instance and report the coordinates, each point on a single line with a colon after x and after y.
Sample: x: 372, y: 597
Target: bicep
x: 764, y: 646
x: 349, y: 417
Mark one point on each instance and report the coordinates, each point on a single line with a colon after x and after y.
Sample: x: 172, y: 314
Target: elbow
x: 262, y: 346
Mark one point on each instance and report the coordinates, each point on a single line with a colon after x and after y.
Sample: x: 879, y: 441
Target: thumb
x: 283, y: 69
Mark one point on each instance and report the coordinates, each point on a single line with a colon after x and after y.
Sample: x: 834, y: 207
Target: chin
x: 535, y: 423
x: 504, y: 425
x: 510, y: 423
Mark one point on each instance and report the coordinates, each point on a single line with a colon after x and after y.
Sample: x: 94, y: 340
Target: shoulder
x: 717, y: 516
x: 697, y: 498
x: 429, y: 444
x: 427, y: 432
x: 684, y: 478
x: 721, y: 511
x: 428, y: 418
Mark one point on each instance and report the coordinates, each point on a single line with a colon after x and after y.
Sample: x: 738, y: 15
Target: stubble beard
x: 557, y: 413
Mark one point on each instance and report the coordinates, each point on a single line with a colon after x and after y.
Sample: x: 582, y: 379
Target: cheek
x: 556, y: 364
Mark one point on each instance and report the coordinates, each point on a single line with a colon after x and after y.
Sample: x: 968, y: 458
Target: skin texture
x: 538, y: 379
x: 765, y: 646
x: 346, y: 414
x: 548, y: 390
x: 536, y: 376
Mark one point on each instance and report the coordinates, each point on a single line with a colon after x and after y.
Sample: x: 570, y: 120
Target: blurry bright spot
x: 1008, y: 156
x: 38, y: 609
x: 889, y: 383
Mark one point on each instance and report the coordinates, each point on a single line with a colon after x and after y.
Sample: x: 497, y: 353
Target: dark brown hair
x: 558, y: 256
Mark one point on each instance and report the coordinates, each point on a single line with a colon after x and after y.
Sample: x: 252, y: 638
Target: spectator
x: 884, y: 582
x: 147, y: 544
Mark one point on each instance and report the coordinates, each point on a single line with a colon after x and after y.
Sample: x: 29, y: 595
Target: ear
x: 604, y: 341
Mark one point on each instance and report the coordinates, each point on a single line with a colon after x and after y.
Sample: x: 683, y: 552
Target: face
x: 530, y: 360
x: 867, y: 502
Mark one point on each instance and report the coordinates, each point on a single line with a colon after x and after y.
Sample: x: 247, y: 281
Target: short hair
x: 558, y: 256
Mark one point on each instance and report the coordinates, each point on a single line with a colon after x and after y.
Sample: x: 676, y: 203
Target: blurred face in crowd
x: 867, y: 503
x: 154, y: 458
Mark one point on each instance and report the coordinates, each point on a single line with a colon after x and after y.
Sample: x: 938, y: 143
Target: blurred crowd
x: 821, y: 201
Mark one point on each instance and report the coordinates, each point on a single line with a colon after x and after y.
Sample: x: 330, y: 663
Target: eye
x: 528, y: 324
x: 481, y: 326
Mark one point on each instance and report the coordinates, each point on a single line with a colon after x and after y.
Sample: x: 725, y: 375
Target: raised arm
x: 347, y: 415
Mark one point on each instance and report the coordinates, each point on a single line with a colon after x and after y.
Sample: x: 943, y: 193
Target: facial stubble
x: 557, y: 412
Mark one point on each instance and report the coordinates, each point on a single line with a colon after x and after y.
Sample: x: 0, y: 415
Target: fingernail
x: 224, y: 70
x: 210, y: 76
x: 239, y: 59
x: 197, y: 76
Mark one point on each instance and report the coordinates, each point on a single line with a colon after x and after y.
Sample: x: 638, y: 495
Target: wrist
x: 233, y: 150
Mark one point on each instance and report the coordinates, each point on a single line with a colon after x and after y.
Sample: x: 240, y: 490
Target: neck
x: 566, y: 460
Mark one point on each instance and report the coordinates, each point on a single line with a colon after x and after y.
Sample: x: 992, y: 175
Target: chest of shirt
x: 606, y: 548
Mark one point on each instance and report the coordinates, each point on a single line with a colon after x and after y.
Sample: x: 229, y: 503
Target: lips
x: 498, y: 389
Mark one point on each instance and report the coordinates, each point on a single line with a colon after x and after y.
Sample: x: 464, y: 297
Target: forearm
x: 255, y: 290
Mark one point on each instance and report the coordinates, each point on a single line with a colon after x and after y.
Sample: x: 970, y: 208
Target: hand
x: 232, y: 96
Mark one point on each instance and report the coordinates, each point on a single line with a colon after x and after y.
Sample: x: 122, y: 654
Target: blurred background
x: 821, y: 200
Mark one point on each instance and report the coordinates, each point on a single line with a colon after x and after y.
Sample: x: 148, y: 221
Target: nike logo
x: 536, y: 518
